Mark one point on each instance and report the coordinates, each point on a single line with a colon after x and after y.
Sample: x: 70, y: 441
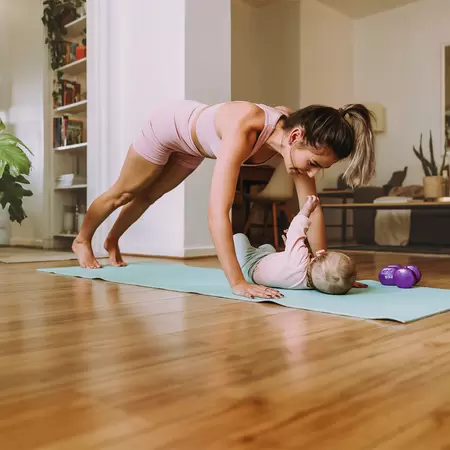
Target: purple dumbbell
x: 386, y: 275
x: 416, y: 272
x: 404, y: 278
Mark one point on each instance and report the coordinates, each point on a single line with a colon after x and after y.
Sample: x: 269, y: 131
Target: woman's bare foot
x: 115, y: 257
x: 85, y: 255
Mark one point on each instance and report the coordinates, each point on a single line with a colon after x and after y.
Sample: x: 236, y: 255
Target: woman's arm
x: 237, y: 143
x: 223, y: 189
x: 317, y: 237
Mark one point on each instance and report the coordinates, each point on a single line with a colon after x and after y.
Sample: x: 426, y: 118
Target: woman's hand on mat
x: 358, y: 285
x: 255, y: 291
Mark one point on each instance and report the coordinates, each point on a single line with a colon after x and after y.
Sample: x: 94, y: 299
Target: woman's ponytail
x: 361, y: 167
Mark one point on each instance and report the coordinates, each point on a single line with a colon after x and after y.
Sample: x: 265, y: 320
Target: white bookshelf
x: 69, y: 153
x: 74, y: 68
x: 73, y: 187
x: 75, y: 28
x: 73, y: 108
x: 71, y: 148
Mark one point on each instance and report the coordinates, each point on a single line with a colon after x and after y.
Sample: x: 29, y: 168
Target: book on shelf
x: 70, y: 179
x: 66, y: 92
x: 67, y: 131
x: 73, y: 51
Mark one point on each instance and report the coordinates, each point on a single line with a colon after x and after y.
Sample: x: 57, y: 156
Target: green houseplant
x: 14, y: 167
x: 434, y: 183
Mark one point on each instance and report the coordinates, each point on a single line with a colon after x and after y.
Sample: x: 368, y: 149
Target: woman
x: 177, y: 138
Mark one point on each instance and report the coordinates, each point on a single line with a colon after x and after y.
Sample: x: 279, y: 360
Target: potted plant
x: 56, y: 15
x: 434, y: 183
x: 14, y: 166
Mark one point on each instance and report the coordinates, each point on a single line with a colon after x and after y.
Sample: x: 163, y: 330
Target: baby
x: 295, y: 267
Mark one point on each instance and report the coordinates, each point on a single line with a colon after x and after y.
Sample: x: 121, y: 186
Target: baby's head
x: 332, y: 273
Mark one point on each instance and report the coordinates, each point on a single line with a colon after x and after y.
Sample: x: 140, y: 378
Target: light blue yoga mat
x: 375, y: 302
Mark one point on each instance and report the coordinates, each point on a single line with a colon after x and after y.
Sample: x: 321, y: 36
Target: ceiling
x: 362, y: 8
x: 351, y: 8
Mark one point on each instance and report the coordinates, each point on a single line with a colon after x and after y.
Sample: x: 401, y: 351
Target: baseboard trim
x: 21, y: 242
x: 189, y: 253
x: 200, y: 252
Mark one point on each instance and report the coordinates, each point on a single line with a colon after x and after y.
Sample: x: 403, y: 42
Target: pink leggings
x: 167, y: 134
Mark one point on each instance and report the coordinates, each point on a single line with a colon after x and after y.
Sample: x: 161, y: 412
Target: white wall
x: 398, y: 64
x: 5, y: 82
x: 246, y: 70
x: 326, y: 65
x: 208, y: 80
x: 293, y: 54
x: 149, y: 52
x: 266, y: 53
x: 23, y: 71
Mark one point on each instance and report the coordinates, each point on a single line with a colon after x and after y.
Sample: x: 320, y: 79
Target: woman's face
x: 301, y: 158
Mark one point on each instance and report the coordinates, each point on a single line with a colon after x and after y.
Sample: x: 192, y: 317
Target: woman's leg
x: 137, y: 173
x: 171, y: 176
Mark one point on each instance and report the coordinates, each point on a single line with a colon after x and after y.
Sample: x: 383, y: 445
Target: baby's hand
x: 283, y: 236
x: 312, y: 201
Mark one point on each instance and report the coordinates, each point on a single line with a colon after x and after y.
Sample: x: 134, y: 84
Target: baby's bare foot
x: 115, y: 257
x: 85, y: 255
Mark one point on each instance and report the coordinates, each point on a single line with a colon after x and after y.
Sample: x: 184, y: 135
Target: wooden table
x: 414, y: 204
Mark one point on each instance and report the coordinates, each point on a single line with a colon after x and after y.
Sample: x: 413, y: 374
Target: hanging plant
x: 56, y: 15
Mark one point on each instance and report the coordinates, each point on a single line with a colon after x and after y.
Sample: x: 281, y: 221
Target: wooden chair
x: 273, y: 199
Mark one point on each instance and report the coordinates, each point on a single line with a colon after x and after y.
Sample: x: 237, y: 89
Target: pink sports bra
x: 211, y: 142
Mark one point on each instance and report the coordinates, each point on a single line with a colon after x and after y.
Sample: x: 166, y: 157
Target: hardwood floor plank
x: 89, y: 364
x: 78, y: 422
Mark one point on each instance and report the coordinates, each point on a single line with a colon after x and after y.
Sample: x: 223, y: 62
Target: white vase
x: 5, y: 227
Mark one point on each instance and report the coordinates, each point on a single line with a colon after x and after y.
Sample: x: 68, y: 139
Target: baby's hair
x: 346, y: 131
x: 332, y: 273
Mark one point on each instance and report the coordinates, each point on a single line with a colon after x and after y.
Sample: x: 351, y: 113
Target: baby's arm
x: 296, y: 234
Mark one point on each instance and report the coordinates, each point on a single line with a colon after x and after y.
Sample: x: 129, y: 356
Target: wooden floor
x: 92, y: 365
